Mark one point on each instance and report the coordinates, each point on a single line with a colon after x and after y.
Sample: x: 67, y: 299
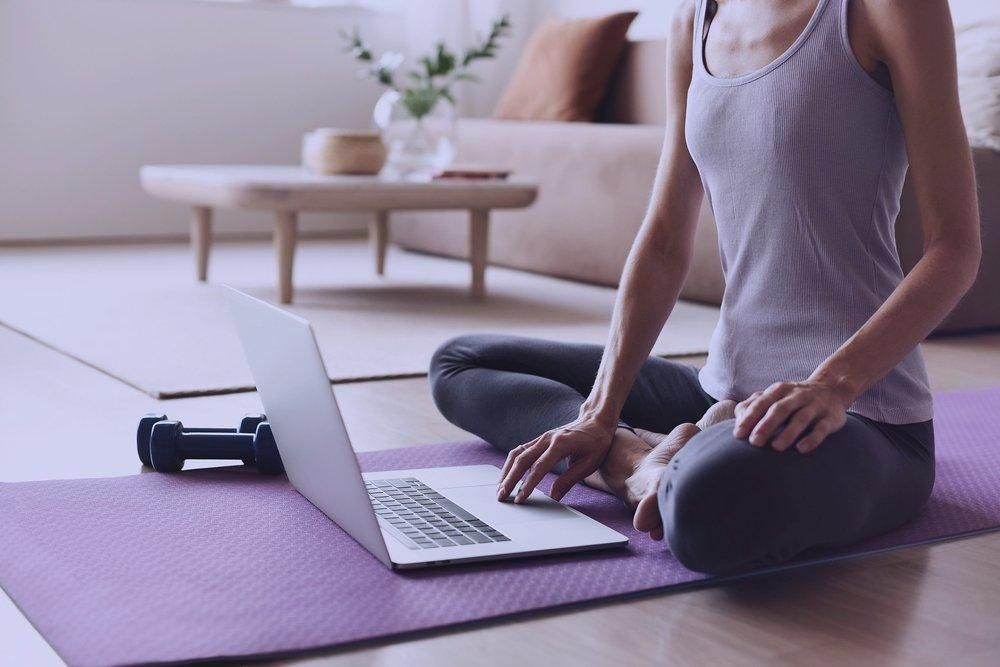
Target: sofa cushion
x: 565, y: 68
x: 978, y: 50
x: 638, y: 89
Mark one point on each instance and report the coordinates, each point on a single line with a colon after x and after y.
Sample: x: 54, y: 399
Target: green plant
x: 436, y: 74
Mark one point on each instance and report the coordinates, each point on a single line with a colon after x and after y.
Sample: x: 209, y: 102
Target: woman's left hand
x: 809, y: 411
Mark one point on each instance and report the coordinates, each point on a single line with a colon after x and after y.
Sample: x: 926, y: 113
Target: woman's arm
x: 651, y: 282
x: 916, y: 42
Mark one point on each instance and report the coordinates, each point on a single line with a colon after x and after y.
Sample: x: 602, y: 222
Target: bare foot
x: 644, y: 484
x: 719, y: 412
x: 636, y: 461
x: 626, y: 452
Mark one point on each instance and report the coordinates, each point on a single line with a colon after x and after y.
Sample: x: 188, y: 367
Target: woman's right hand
x: 584, y: 443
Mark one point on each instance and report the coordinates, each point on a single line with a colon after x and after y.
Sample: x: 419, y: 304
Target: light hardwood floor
x: 918, y: 606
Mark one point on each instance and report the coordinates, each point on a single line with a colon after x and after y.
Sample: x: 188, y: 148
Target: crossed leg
x: 508, y: 390
x: 722, y: 504
x: 727, y: 505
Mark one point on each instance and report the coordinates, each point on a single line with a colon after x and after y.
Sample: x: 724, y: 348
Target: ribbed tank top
x: 803, y: 163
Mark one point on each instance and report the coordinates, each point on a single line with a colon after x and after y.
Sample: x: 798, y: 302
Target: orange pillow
x: 565, y: 69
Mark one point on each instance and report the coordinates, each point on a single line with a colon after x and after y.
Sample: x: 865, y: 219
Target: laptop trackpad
x: 482, y: 501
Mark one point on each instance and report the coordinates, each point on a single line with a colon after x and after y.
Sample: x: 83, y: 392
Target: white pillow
x: 978, y: 48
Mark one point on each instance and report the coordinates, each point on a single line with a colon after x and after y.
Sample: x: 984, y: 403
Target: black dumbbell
x: 170, y: 444
x: 248, y: 424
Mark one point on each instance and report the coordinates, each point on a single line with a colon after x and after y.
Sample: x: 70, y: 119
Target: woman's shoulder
x: 891, y: 24
x: 680, y: 35
x: 682, y: 22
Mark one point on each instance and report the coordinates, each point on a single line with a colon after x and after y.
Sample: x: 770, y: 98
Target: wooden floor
x: 918, y: 606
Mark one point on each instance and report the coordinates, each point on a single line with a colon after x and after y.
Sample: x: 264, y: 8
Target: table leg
x: 479, y: 230
x: 378, y: 238
x: 284, y: 245
x: 201, y: 239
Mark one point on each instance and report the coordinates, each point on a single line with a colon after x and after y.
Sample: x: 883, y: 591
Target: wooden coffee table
x: 287, y: 191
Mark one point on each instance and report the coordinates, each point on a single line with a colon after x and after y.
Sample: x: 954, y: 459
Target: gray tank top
x: 803, y: 163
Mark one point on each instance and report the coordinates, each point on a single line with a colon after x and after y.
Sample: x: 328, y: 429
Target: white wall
x: 654, y: 15
x: 92, y: 89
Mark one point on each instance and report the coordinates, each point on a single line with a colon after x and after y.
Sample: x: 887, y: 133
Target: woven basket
x: 331, y: 151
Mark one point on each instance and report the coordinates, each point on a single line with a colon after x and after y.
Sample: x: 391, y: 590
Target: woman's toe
x: 647, y: 516
x: 651, y: 438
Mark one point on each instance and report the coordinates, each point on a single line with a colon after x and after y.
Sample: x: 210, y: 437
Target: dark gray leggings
x: 726, y: 506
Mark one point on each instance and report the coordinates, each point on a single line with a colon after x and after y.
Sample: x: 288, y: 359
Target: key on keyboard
x: 424, y: 519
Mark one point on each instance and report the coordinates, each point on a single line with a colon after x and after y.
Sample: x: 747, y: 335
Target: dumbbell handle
x: 191, y: 431
x: 215, y: 444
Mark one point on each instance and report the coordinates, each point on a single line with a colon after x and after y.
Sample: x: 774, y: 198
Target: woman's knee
x: 467, y: 351
x: 450, y: 362
x: 453, y: 355
x: 718, y: 504
x: 451, y: 358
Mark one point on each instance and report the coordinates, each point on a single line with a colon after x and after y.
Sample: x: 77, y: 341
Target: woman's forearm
x: 917, y: 305
x: 650, y: 285
x: 917, y: 46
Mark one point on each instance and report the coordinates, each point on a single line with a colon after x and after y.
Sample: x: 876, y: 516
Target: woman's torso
x: 802, y: 162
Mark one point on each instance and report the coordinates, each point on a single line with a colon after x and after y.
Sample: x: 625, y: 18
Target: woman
x: 810, y: 424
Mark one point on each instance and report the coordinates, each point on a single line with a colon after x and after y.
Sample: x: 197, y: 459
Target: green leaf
x: 384, y: 76
x: 420, y: 102
x: 428, y: 66
x: 487, y: 48
x: 356, y: 46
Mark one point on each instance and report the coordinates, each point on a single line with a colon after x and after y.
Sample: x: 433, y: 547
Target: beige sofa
x: 595, y: 181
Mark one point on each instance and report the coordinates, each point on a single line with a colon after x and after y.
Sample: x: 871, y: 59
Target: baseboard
x: 342, y: 233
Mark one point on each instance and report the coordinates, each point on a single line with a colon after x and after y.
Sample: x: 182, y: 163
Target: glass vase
x: 418, y: 147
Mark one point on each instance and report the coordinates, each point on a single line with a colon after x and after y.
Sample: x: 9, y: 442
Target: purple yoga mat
x: 208, y: 564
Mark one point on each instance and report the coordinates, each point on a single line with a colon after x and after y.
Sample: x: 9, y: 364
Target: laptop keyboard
x: 424, y: 519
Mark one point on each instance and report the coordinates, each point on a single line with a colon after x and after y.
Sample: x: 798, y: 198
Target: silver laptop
x: 405, y: 518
